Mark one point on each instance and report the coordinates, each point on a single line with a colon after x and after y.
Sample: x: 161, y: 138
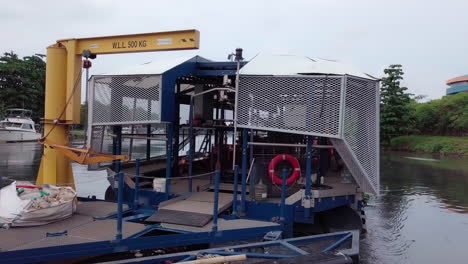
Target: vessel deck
x: 195, y: 209
x: 80, y: 228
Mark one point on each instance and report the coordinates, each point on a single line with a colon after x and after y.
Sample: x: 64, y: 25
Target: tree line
x: 22, y: 83
x: 403, y: 113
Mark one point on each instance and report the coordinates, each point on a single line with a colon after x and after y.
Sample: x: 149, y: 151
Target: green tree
x: 395, y: 117
x: 83, y: 115
x: 22, y: 83
x: 445, y: 116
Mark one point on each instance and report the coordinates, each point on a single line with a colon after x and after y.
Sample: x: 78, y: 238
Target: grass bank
x: 77, y: 133
x: 431, y: 144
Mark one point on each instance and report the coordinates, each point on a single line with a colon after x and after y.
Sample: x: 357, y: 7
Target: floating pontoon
x: 285, y: 153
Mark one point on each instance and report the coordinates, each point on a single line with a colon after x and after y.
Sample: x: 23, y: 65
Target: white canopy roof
x: 264, y: 64
x: 156, y: 67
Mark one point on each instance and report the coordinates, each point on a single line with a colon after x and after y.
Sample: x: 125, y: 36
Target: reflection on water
x: 19, y: 161
x: 421, y: 215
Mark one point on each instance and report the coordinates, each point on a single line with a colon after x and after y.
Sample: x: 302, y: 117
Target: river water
x: 421, y: 215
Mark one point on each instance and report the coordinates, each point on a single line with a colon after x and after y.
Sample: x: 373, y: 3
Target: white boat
x: 18, y: 126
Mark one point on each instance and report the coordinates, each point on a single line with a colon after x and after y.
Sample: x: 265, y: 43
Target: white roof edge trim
x: 156, y: 67
x: 284, y: 65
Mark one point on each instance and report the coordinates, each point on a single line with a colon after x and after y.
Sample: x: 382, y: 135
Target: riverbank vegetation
x: 432, y: 144
x: 22, y: 83
x: 406, y: 123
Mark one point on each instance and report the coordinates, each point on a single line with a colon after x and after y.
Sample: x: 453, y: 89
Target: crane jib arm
x: 158, y: 41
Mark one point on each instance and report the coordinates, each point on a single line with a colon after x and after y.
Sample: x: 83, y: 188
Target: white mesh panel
x: 360, y: 145
x: 307, y: 105
x: 117, y: 100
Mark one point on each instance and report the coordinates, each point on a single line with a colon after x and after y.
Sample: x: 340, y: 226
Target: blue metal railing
x: 215, y: 202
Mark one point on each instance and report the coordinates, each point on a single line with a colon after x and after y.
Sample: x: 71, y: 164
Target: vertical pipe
x: 215, y: 204
x: 234, y: 113
x: 170, y: 131
x: 234, y: 193
x: 308, y: 176
x: 191, y: 146
x: 137, y: 184
x: 130, y: 147
x: 244, y: 168
x: 118, y: 236
x: 283, y: 194
x: 148, y: 142
x: 253, y: 172
x: 175, y: 158
x: 89, y: 104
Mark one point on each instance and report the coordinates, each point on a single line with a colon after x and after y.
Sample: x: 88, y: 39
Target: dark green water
x: 421, y: 215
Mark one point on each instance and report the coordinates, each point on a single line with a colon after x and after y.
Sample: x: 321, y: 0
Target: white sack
x: 11, y: 205
x: 60, y: 204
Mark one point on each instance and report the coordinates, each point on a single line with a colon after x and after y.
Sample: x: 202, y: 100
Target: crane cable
x: 56, y: 121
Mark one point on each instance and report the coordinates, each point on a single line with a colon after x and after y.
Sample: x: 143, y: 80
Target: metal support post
x: 118, y: 236
x: 319, y: 158
x: 137, y: 184
x: 148, y: 142
x: 191, y: 146
x: 175, y: 158
x: 169, y: 134
x: 244, y: 168
x: 283, y: 194
x: 236, y: 98
x: 308, y: 177
x: 234, y: 193
x: 117, y: 146
x: 252, y: 172
x: 215, y: 203
x: 251, y: 149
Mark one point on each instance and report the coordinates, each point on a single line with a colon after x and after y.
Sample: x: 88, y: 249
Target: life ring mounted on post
x: 294, y: 163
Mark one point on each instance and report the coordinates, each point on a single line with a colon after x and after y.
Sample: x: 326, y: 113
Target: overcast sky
x: 429, y: 38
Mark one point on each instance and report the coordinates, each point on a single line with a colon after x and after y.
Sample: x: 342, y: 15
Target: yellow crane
x: 63, y: 94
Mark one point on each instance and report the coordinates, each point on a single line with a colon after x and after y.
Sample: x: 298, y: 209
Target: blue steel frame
x: 128, y: 244
x: 246, y: 249
x: 274, y: 212
x: 170, y: 136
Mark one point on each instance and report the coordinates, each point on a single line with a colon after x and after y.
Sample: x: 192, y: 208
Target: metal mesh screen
x: 360, y: 145
x: 307, y: 105
x: 125, y: 99
x: 100, y: 141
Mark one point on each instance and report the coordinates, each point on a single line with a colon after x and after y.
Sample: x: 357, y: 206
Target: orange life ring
x: 292, y: 160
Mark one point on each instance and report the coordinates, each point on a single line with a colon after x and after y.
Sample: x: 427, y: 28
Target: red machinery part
x: 292, y: 160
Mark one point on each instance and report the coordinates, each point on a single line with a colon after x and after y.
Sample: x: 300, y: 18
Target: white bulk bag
x: 32, y: 209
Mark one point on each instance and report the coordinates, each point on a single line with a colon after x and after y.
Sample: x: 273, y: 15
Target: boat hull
x: 18, y: 136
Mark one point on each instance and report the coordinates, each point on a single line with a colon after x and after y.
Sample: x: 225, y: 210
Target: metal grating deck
x: 195, y: 210
x: 81, y: 228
